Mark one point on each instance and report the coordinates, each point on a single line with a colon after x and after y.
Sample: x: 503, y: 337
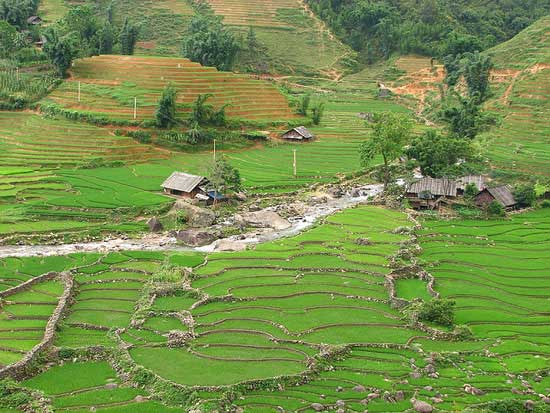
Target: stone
x: 339, y: 389
x: 263, y: 219
x: 197, y: 217
x: 429, y: 369
x: 318, y: 407
x: 228, y: 245
x: 529, y: 405
x: 364, y: 402
x: 437, y: 400
x: 372, y: 396
x: 155, y: 225
x: 399, y: 395
x: 415, y: 374
x: 195, y: 237
x: 422, y: 407
x: 340, y: 411
x: 340, y: 403
x: 355, y: 192
x: 359, y: 388
x: 428, y: 388
x: 111, y: 386
x: 363, y: 241
x: 335, y: 192
x: 139, y: 399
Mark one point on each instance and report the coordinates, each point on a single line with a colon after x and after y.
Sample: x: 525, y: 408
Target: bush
x: 438, y: 311
x: 545, y: 203
x: 495, y: 209
x: 140, y: 136
x: 525, y: 195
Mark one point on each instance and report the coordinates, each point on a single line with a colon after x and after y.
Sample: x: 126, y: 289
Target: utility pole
x: 79, y: 91
x: 294, y: 164
x: 214, y: 150
x: 135, y: 108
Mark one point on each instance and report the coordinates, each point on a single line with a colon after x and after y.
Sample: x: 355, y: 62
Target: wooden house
x: 479, y: 181
x: 502, y: 194
x: 185, y: 185
x: 301, y: 133
x: 430, y: 193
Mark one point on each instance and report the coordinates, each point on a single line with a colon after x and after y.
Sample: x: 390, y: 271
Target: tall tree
x: 390, y: 132
x: 165, y: 114
x: 106, y: 38
x: 8, y: 37
x: 477, y: 69
x: 60, y: 49
x: 128, y: 38
x: 463, y: 119
x: 209, y: 43
x: 224, y: 177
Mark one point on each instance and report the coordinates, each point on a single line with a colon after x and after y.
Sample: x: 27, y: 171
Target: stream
x: 166, y: 242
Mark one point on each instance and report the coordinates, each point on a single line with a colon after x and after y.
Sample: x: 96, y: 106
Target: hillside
x: 108, y: 90
x: 522, y: 88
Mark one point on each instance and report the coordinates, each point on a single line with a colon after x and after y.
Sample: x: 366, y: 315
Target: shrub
x: 545, y: 203
x: 140, y: 136
x: 438, y: 311
x: 525, y: 195
x: 495, y: 209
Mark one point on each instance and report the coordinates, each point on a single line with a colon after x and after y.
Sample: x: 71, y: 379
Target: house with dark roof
x: 502, y: 194
x: 300, y: 133
x: 185, y: 185
x: 430, y: 193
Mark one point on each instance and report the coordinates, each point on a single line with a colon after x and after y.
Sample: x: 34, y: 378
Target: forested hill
x: 377, y: 28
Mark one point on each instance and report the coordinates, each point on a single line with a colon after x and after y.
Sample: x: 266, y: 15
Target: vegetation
x: 166, y: 111
x: 390, y: 133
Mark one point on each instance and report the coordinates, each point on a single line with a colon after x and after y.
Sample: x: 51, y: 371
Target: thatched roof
x: 479, y: 181
x: 180, y: 181
x: 434, y: 186
x: 302, y: 131
x: 503, y: 195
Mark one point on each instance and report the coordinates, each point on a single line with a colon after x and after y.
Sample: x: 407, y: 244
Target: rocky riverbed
x: 300, y: 216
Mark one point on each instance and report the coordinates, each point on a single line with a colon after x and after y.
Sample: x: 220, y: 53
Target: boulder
x: 228, y: 245
x: 111, y: 386
x: 335, y: 192
x: 195, y: 237
x: 155, y: 225
x: 318, y: 407
x: 422, y: 407
x: 363, y: 241
x: 263, y: 219
x: 529, y: 405
x: 399, y: 395
x: 197, y: 217
x: 359, y: 388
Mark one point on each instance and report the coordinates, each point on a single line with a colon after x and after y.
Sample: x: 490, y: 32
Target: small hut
x: 184, y: 185
x: 429, y: 193
x: 502, y: 194
x: 301, y: 133
x: 34, y: 20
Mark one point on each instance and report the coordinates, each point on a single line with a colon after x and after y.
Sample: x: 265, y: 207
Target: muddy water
x: 165, y: 242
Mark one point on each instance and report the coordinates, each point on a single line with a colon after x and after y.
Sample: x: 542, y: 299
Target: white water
x: 165, y: 242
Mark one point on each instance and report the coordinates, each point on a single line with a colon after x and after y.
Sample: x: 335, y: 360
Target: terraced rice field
x: 255, y: 13
x: 32, y: 141
x: 311, y: 311
x: 107, y: 91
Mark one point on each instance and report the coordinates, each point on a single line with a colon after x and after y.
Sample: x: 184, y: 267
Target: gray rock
x: 227, y: 245
x: 197, y: 217
x: 399, y: 395
x: 339, y: 389
x: 155, y: 225
x: 363, y: 241
x: 359, y: 388
x: 335, y: 191
x: 318, y: 407
x: 422, y: 407
x: 195, y: 237
x: 529, y: 405
x: 111, y: 386
x: 263, y: 219
x: 340, y: 403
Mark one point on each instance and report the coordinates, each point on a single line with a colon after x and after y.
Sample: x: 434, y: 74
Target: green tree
x: 252, y: 40
x: 128, y: 38
x: 8, y: 38
x: 106, y: 38
x: 477, y: 69
x: 202, y: 111
x: 463, y: 119
x: 317, y: 113
x: 437, y: 153
x: 439, y: 311
x: 209, y: 43
x: 390, y: 132
x: 470, y: 191
x: 224, y: 177
x: 61, y: 50
x: 165, y: 114
x: 304, y: 104
x: 525, y: 195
